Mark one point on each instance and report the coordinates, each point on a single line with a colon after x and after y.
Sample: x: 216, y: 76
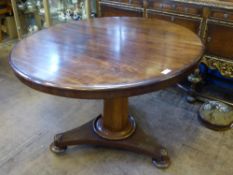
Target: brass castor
x: 161, y: 163
x: 56, y: 149
x: 191, y: 99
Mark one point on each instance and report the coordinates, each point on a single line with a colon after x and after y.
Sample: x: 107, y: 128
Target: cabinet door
x: 118, y: 11
x: 192, y: 24
x: 220, y: 40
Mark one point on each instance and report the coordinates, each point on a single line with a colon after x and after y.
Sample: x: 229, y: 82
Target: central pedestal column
x: 114, y: 129
x: 115, y: 124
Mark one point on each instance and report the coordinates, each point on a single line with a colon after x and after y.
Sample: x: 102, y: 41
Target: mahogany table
x: 110, y: 59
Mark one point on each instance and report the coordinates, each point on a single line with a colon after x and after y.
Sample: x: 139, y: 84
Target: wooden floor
x: 29, y: 120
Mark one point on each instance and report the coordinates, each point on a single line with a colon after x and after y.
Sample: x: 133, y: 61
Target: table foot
x: 56, y: 149
x: 161, y: 163
x: 191, y: 99
x: 138, y: 142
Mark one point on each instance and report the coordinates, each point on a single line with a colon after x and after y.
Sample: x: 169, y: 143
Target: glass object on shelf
x: 33, y: 15
x: 30, y: 18
x: 68, y: 10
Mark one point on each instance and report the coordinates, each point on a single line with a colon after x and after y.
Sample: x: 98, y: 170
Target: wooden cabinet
x: 211, y: 20
x: 219, y: 40
x: 188, y: 16
x: 219, y: 33
x: 213, y: 24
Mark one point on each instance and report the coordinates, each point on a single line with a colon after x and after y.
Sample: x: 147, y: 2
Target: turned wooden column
x: 115, y: 116
x: 115, y: 124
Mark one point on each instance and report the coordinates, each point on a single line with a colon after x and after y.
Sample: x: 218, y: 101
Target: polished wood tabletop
x: 106, y: 57
x: 111, y: 59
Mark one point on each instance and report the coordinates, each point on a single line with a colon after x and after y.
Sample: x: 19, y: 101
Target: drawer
x: 159, y: 16
x: 137, y: 3
x: 219, y: 40
x: 175, y: 7
x: 191, y: 24
x: 222, y: 15
x: 118, y: 11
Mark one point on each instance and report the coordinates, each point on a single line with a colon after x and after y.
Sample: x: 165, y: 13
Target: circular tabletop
x: 106, y: 57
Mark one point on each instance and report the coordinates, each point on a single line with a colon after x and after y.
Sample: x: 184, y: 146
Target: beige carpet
x: 29, y: 120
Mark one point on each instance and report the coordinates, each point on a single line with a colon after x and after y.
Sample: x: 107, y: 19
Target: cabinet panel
x: 138, y: 3
x: 222, y: 15
x: 188, y: 23
x: 174, y: 7
x: 117, y: 11
x: 220, y: 40
x: 159, y: 16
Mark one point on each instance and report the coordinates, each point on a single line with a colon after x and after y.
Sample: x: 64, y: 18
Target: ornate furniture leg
x: 114, y: 129
x: 195, y: 80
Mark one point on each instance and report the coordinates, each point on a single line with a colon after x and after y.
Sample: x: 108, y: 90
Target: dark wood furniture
x: 110, y: 59
x: 212, y: 20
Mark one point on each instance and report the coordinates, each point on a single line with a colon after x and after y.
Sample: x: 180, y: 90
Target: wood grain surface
x: 106, y: 57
